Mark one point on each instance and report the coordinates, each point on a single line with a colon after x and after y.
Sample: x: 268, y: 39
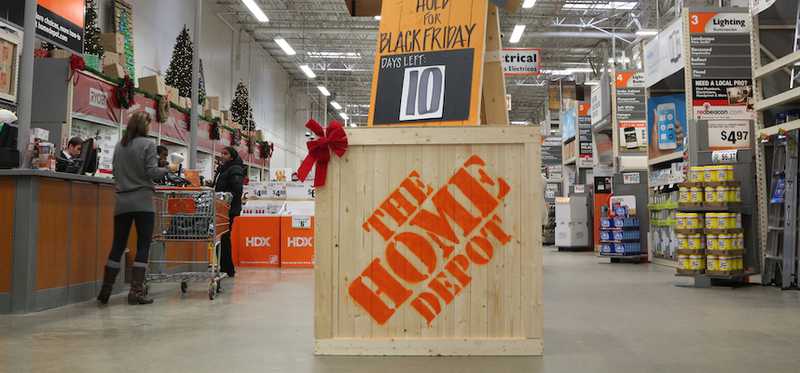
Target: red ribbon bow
x: 330, y: 139
x: 76, y: 63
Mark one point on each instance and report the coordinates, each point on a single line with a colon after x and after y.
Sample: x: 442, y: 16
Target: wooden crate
x: 469, y: 203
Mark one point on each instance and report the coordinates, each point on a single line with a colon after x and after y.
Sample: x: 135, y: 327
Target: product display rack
x: 776, y: 91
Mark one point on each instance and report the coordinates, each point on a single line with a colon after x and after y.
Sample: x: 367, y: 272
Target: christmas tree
x: 91, y: 38
x: 179, y: 73
x: 241, y: 111
x: 202, y: 81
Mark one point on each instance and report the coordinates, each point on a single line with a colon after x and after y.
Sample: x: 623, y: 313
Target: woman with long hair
x: 230, y: 178
x: 135, y: 167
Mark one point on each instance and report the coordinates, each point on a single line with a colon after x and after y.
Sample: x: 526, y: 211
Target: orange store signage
x: 433, y: 237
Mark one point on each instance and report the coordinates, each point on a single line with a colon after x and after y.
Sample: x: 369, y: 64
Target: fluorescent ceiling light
x: 592, y: 82
x: 519, y: 122
x: 647, y: 32
x: 353, y: 125
x: 324, y: 90
x: 582, y: 4
x: 580, y: 69
x: 377, y: 18
x: 529, y: 3
x: 285, y: 46
x: 335, y: 55
x: 307, y: 70
x: 516, y: 34
x: 336, y: 105
x: 344, y: 116
x: 256, y: 10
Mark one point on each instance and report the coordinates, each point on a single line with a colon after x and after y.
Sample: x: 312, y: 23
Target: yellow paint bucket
x: 696, y: 242
x: 710, y: 194
x: 681, y: 221
x: 683, y: 242
x: 726, y: 242
x: 684, y: 263
x: 710, y: 174
x: 712, y: 263
x: 697, y: 262
x: 696, y: 195
x: 684, y: 195
x: 725, y: 173
x: 726, y: 263
x: 712, y: 242
x: 712, y: 220
x: 696, y: 174
x: 723, y: 194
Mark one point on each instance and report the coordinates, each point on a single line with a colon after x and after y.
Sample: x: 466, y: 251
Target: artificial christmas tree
x: 179, y: 73
x: 241, y: 111
x: 92, y: 49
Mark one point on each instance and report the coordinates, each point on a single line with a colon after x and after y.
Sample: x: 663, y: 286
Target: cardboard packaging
x: 256, y: 241
x: 110, y: 58
x: 173, y: 96
x: 60, y: 53
x: 211, y: 113
x: 115, y: 71
x: 185, y: 103
x: 297, y: 241
x: 212, y: 102
x: 153, y: 85
x: 112, y: 42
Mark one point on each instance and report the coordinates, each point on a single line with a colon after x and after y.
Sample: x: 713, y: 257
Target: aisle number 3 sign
x: 428, y: 65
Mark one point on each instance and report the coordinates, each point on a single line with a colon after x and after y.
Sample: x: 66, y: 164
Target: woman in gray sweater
x: 135, y: 167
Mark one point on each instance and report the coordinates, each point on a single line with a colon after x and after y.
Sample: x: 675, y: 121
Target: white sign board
x: 725, y: 156
x: 521, y: 61
x: 663, y: 55
x: 631, y: 178
x: 729, y: 134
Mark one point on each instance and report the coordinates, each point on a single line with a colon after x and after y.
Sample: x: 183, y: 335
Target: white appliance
x: 572, y: 221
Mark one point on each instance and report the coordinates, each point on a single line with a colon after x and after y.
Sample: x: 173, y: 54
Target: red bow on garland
x: 76, y: 63
x: 332, y: 139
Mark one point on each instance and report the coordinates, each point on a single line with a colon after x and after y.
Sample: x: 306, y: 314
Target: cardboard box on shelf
x: 153, y: 85
x: 297, y: 241
x: 112, y: 42
x: 225, y: 115
x: 259, y: 135
x: 173, y: 96
x: 212, y: 113
x: 110, y: 58
x: 212, y: 102
x: 186, y: 103
x: 256, y: 241
x: 60, y: 53
x: 115, y: 71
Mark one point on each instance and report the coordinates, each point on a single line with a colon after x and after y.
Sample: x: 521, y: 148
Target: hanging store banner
x: 722, y: 88
x: 522, y: 61
x: 631, y: 111
x: 61, y: 22
x: 429, y: 63
x: 758, y: 6
x: 663, y: 55
x: 667, y: 125
x: 585, y: 146
x: 94, y: 99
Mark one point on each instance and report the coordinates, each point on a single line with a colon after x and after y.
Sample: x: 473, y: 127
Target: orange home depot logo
x: 432, y: 239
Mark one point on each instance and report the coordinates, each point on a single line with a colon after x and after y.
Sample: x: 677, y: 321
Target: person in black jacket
x: 230, y: 179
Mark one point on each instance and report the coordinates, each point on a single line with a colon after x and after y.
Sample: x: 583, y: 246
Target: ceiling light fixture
x: 529, y: 4
x: 580, y: 69
x: 517, y: 34
x: 285, y: 46
x: 377, y: 18
x: 256, y: 10
x: 344, y: 116
x: 307, y: 70
x: 325, y: 92
x: 336, y: 105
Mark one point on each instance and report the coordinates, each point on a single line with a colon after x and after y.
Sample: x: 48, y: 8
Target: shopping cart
x: 187, y: 216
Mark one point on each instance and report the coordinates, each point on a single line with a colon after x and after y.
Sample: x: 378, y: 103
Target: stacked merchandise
x: 663, y: 205
x: 619, y: 234
x: 549, y: 226
x: 710, y: 236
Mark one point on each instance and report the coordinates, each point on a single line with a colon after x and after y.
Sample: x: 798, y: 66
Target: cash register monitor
x: 88, y: 158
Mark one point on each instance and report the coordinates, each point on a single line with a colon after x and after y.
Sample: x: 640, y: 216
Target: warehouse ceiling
x: 340, y: 49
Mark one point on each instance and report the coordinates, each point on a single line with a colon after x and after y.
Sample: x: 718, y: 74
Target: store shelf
x: 737, y: 207
x: 666, y: 223
x: 664, y: 262
x: 774, y: 130
x: 669, y: 183
x: 663, y: 206
x: 792, y: 95
x: 665, y: 159
x: 776, y: 65
x: 725, y: 252
x: 623, y: 255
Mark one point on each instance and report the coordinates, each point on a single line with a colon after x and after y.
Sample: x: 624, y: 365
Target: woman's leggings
x: 144, y: 234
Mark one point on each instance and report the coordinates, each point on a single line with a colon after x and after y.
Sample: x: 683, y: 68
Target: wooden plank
x: 8, y: 189
x: 83, y: 239
x: 440, y: 135
x: 494, y: 82
x: 429, y: 347
x: 776, y: 65
x: 52, y: 259
x: 323, y: 271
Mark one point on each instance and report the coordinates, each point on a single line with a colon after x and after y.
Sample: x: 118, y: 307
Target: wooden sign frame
x: 423, y: 53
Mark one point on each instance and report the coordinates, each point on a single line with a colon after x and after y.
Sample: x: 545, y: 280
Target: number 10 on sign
x: 423, y: 93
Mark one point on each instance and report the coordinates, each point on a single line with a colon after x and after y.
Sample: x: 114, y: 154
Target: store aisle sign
x: 522, y: 61
x: 729, y: 134
x: 61, y: 22
x: 429, y: 63
x: 719, y: 23
x: 435, y: 242
x: 663, y: 55
x: 631, y: 111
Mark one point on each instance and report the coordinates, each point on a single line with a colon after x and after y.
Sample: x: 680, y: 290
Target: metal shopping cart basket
x: 186, y: 217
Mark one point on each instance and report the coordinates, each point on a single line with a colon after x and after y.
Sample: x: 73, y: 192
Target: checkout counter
x: 55, y: 233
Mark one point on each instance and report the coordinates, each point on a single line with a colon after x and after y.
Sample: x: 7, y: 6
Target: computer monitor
x: 88, y: 158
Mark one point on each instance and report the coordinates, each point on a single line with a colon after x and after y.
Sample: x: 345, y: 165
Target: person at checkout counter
x: 69, y: 160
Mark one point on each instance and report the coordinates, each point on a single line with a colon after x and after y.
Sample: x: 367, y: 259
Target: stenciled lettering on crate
x: 432, y: 238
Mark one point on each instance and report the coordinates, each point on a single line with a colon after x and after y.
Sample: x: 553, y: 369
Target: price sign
x: 724, y: 135
x: 301, y: 222
x: 725, y: 156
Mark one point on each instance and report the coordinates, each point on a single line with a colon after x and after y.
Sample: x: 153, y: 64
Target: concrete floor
x: 599, y: 318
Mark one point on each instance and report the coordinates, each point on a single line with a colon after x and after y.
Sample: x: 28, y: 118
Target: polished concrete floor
x: 599, y: 318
